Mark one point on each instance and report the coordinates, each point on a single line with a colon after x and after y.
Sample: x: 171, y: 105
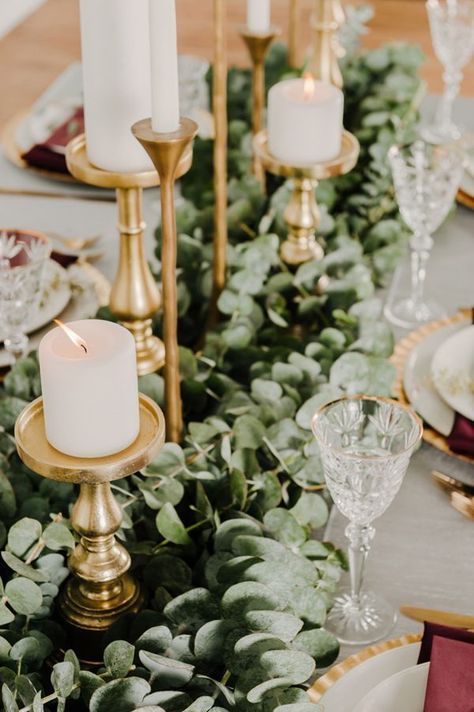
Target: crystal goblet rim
x: 36, y: 234
x: 376, y: 399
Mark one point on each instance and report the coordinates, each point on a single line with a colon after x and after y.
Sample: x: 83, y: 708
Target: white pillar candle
x: 90, y: 391
x: 116, y: 81
x: 258, y: 16
x: 164, y: 66
x: 304, y: 121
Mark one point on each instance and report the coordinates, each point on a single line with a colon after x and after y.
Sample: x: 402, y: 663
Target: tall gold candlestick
x: 293, y: 34
x: 258, y: 45
x: 219, y: 105
x: 166, y: 150
x: 135, y: 297
x: 328, y: 16
x: 302, y: 214
x: 100, y: 589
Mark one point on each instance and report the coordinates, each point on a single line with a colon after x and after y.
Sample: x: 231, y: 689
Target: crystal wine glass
x: 426, y: 179
x: 365, y: 444
x: 22, y: 258
x: 452, y: 32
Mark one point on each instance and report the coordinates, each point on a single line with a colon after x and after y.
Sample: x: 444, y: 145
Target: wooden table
x: 36, y: 51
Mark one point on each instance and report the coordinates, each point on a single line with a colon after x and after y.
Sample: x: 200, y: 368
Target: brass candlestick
x: 258, y: 45
x: 328, y: 16
x: 135, y: 297
x: 219, y: 108
x: 167, y: 150
x: 302, y: 213
x: 100, y: 589
x: 293, y: 34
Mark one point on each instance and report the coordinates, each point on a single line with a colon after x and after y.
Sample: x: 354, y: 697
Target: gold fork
x: 74, y: 243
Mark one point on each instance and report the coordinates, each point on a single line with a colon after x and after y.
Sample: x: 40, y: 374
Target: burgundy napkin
x: 441, y: 631
x: 46, y: 155
x: 461, y: 438
x: 450, y: 686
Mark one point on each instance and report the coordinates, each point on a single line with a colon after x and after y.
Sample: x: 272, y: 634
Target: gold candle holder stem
x: 302, y: 214
x: 100, y: 589
x: 328, y: 16
x: 258, y: 45
x: 293, y: 34
x: 166, y: 152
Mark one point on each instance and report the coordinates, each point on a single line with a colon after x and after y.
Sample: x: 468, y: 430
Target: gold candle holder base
x: 168, y: 152
x: 100, y: 589
x: 302, y: 213
x: 258, y: 45
x: 135, y: 297
x: 327, y: 18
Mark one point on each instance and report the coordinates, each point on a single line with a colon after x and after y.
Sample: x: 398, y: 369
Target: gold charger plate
x: 465, y: 199
x: 400, y: 355
x: 14, y: 152
x: 318, y: 689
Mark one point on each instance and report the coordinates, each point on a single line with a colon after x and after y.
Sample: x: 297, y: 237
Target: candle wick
x: 83, y: 347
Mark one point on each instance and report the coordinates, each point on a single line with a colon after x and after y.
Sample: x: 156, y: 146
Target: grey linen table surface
x: 423, y: 552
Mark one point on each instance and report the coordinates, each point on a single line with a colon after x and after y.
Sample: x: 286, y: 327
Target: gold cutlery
x: 430, y: 615
x: 450, y: 484
x: 33, y: 193
x: 74, y: 243
x: 463, y: 503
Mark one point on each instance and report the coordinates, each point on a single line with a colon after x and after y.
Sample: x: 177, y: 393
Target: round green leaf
x: 248, y: 596
x: 283, y: 625
x: 22, y: 535
x: 57, y: 536
x: 118, y: 658
x: 320, y: 644
x: 295, y: 664
x: 192, y: 609
x: 23, y: 569
x: 24, y: 596
x: 171, y: 673
x: 170, y: 525
x: 284, y: 527
x: 119, y: 695
x: 228, y: 530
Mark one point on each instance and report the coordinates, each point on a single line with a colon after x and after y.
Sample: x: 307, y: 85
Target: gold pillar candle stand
x: 258, y: 45
x: 167, y: 150
x: 100, y: 589
x: 327, y: 18
x: 302, y: 214
x: 135, y: 297
x: 293, y: 34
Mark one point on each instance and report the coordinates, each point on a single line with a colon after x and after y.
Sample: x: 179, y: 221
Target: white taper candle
x: 164, y: 66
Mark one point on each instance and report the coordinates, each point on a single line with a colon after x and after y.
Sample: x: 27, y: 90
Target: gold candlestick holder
x: 302, y: 214
x: 258, y: 45
x: 293, y: 34
x: 327, y: 18
x: 167, y: 150
x: 135, y: 297
x: 100, y: 590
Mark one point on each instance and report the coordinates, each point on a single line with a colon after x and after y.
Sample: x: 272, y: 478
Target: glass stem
x: 444, y: 115
x: 420, y: 251
x: 359, y: 547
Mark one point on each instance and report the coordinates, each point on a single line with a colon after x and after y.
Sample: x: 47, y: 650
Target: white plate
x: 405, y: 690
x: 84, y: 302
x: 350, y: 689
x: 467, y: 183
x: 56, y: 295
x: 418, y: 384
x: 452, y: 371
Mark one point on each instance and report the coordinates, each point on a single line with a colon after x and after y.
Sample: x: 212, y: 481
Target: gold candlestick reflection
x: 258, y: 45
x: 135, y: 297
x: 100, y: 589
x: 219, y: 107
x: 328, y: 16
x: 166, y: 150
x: 302, y: 213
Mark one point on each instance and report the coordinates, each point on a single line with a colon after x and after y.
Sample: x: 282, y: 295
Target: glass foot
x: 409, y: 315
x: 441, y: 134
x: 360, y: 623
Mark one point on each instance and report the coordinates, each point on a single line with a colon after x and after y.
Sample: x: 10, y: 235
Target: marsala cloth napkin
x: 461, y: 438
x: 441, y: 631
x: 46, y: 155
x: 450, y: 686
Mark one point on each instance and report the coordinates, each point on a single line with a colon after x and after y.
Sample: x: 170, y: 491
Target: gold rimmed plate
x: 345, y: 684
x: 422, y: 395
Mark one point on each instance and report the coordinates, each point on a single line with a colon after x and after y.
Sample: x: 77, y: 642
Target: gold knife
x: 449, y: 483
x: 430, y: 615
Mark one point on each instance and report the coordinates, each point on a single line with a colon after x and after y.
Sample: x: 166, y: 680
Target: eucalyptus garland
x: 225, y: 529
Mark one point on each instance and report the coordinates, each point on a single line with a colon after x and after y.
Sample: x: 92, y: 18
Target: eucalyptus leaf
x: 23, y: 595
x: 118, y: 658
x: 119, y: 695
x: 170, y: 525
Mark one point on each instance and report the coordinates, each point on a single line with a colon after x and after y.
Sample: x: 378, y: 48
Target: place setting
x: 237, y: 475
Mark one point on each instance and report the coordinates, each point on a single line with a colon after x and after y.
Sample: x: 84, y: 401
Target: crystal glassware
x: 452, y: 32
x: 426, y: 179
x: 23, y: 255
x: 365, y: 444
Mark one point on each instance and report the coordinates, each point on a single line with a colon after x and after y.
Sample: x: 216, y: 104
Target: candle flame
x: 308, y: 86
x: 75, y: 338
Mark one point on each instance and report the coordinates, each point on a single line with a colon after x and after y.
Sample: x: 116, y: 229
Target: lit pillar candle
x: 164, y: 66
x: 116, y: 81
x: 304, y: 121
x: 90, y: 389
x: 258, y: 16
